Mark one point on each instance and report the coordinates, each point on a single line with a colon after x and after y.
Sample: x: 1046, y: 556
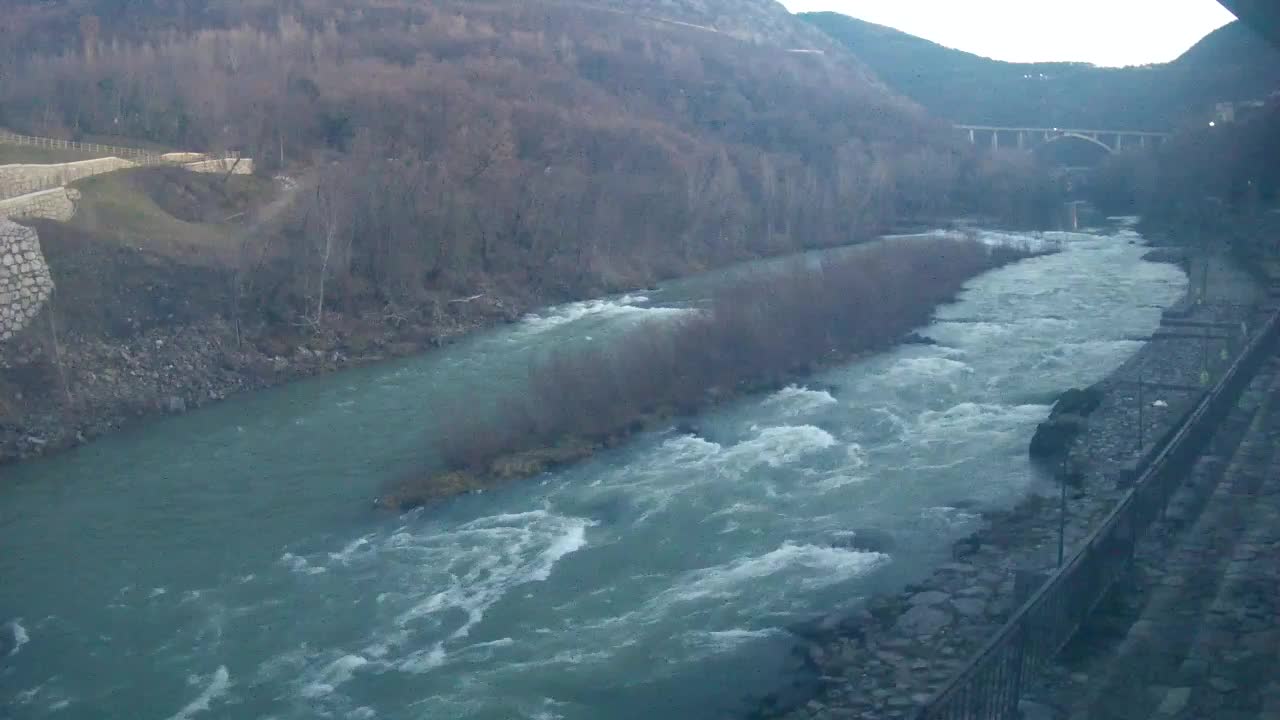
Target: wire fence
x: 136, y: 154
x: 65, y: 172
x: 990, y: 685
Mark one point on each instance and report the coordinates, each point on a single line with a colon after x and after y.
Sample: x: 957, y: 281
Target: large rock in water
x: 1077, y: 402
x: 1054, y: 436
x: 1067, y: 419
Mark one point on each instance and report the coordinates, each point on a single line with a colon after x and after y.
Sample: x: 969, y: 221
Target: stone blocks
x: 25, y: 282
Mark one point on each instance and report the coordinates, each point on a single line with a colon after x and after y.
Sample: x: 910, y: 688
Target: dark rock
x: 969, y: 607
x: 1054, y: 436
x: 929, y: 597
x: 918, y: 339
x: 966, y: 547
x: 688, y: 428
x: 923, y: 620
x: 608, y: 511
x: 1166, y: 255
x: 1077, y: 402
x: 866, y: 540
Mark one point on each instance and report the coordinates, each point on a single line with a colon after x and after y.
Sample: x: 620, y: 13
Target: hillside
x: 445, y: 165
x: 529, y: 134
x: 1229, y: 64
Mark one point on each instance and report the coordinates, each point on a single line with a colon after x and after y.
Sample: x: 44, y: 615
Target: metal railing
x: 136, y: 154
x: 989, y: 686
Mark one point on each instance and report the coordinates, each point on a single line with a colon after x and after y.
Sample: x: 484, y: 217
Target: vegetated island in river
x: 758, y: 334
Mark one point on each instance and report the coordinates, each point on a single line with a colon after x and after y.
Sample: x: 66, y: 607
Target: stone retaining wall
x: 23, y: 179
x: 56, y: 204
x: 235, y: 166
x: 25, y: 283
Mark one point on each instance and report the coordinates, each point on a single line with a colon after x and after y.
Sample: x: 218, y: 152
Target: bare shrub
x: 761, y: 331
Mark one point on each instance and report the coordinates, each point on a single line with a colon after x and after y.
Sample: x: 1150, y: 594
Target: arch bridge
x: 1112, y: 141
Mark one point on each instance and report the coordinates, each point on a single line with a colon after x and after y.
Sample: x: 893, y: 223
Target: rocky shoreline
x: 103, y: 382
x: 886, y: 659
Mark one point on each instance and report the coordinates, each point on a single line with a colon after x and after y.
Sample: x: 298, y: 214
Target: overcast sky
x: 1103, y: 32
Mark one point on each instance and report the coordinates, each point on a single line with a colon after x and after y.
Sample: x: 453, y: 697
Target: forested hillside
x: 565, y: 147
x: 1230, y: 64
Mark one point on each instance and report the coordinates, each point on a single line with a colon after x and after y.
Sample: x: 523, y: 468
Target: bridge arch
x: 1030, y: 138
x: 1077, y: 136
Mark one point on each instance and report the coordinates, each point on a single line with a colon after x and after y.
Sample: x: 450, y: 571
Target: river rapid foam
x: 657, y: 579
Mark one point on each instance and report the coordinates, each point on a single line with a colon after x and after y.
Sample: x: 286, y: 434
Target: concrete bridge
x: 1028, y: 138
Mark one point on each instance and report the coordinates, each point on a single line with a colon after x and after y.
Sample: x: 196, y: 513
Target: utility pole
x: 1141, y: 412
x: 1062, y: 512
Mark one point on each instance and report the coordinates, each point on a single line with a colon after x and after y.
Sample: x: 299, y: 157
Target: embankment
x: 131, y: 335
x: 25, y: 283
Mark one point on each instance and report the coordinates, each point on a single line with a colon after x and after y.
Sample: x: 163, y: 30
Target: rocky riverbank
x: 887, y: 658
x: 130, y: 336
x: 100, y: 384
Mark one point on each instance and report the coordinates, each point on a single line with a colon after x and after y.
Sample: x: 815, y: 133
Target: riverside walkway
x: 1195, y: 632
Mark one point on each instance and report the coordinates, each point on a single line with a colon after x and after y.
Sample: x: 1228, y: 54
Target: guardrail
x: 989, y: 686
x: 8, y: 138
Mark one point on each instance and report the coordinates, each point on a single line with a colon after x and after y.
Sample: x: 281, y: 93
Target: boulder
x: 929, y: 597
x: 865, y: 540
x: 1054, y: 436
x: 1172, y: 255
x: 918, y: 339
x: 923, y: 620
x: 1078, y: 402
x: 969, y: 607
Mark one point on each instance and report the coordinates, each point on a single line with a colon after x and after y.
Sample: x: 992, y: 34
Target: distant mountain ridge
x: 1230, y: 64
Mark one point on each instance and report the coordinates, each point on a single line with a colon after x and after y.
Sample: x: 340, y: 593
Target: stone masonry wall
x: 25, y: 283
x: 23, y: 179
x: 57, y: 204
x: 241, y: 166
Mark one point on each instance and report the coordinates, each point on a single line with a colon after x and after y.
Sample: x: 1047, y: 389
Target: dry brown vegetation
x: 563, y: 148
x: 760, y: 332
x: 516, y: 153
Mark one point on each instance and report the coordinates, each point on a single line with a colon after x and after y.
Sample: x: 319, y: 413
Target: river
x: 227, y: 563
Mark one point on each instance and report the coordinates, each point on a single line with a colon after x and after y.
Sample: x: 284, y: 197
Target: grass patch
x: 181, y: 215
x: 760, y: 332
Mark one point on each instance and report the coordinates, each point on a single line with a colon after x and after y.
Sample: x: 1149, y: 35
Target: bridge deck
x: 997, y: 128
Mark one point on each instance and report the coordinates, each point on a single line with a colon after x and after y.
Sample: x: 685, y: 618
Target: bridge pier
x: 995, y: 139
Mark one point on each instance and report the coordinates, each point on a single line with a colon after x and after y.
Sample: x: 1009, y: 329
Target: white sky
x: 1103, y: 32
